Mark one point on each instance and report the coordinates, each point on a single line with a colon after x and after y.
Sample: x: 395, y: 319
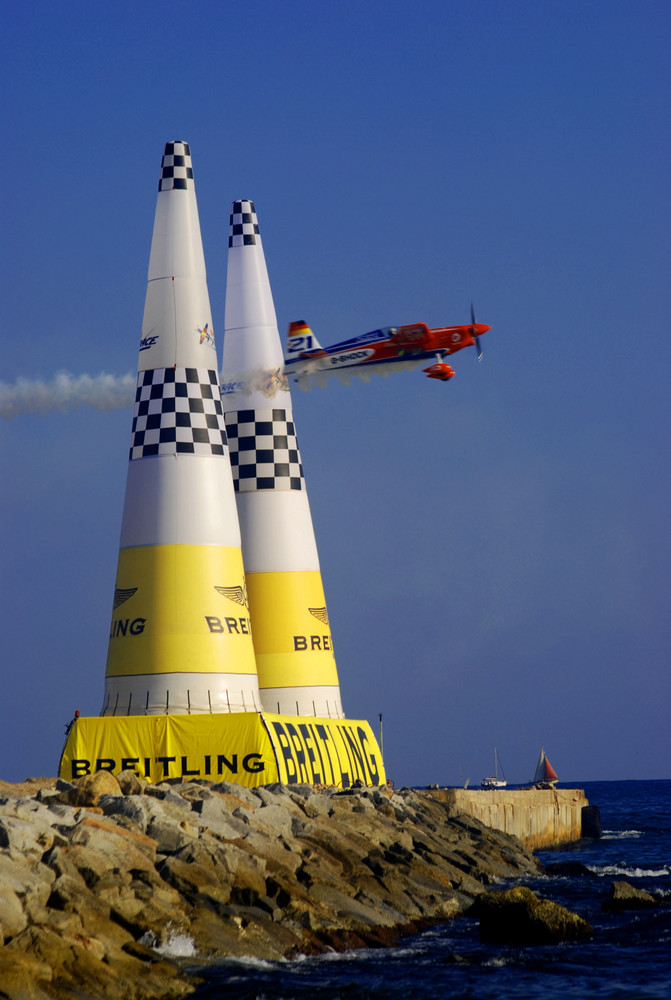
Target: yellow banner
x: 180, y: 608
x: 248, y: 748
x: 325, y: 751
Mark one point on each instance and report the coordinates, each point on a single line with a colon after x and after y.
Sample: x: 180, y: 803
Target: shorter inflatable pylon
x: 292, y: 636
x: 180, y: 639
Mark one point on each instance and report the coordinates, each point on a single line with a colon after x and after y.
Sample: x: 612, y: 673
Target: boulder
x: 129, y: 783
x: 29, y: 838
x: 568, y: 868
x: 624, y: 896
x: 519, y: 917
x: 137, y: 809
x: 216, y: 816
x: 169, y: 837
x: 13, y: 918
x: 87, y: 791
x: 241, y: 795
x: 275, y: 820
x: 23, y: 977
x: 25, y: 880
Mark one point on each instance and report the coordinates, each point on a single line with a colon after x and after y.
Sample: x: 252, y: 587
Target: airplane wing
x: 317, y: 352
x: 306, y: 381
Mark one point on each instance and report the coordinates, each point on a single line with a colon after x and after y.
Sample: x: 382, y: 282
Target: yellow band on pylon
x: 300, y: 669
x: 292, y: 637
x: 180, y: 608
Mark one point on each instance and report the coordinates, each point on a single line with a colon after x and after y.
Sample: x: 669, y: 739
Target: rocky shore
x: 106, y: 882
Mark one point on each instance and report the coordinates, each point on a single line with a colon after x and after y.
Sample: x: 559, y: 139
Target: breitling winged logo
x: 236, y: 594
x: 121, y: 596
x: 320, y: 613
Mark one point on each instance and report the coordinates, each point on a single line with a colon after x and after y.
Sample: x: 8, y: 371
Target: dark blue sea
x: 629, y: 957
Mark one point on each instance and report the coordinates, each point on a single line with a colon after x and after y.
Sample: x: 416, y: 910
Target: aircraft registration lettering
x: 345, y: 359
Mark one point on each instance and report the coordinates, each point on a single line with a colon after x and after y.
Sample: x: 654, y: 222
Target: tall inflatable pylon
x: 180, y: 639
x: 292, y: 638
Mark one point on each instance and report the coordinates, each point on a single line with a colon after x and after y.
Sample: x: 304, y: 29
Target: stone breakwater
x: 104, y: 883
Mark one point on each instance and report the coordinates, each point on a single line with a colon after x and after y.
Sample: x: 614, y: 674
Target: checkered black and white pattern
x: 178, y: 411
x: 264, y: 451
x: 244, y: 229
x: 176, y: 167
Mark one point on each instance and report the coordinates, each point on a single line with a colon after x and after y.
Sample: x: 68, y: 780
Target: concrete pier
x: 540, y: 818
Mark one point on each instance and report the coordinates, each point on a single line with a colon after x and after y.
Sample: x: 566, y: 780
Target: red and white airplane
x: 382, y: 351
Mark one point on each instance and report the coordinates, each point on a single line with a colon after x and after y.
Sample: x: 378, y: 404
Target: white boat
x: 544, y: 776
x: 495, y: 780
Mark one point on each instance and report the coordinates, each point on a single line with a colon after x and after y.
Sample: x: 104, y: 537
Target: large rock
x: 13, y: 918
x: 23, y: 977
x: 624, y: 896
x: 88, y: 790
x: 517, y: 916
x: 572, y: 869
x: 129, y: 783
x: 216, y: 816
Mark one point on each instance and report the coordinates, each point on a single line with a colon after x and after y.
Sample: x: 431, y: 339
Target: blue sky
x: 494, y: 550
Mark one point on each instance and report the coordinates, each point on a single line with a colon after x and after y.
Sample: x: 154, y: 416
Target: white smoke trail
x: 111, y: 392
x: 269, y: 381
x: 66, y: 392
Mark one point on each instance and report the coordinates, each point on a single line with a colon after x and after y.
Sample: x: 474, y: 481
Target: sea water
x: 629, y: 957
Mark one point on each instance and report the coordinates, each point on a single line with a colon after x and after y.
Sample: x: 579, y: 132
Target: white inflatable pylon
x: 180, y: 638
x: 292, y: 637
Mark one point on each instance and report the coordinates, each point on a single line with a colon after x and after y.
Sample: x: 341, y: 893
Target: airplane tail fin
x: 302, y: 343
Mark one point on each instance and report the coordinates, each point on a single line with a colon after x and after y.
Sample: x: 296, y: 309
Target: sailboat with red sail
x: 545, y: 775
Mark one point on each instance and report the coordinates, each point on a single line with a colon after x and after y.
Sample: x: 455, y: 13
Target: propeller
x: 478, y: 346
